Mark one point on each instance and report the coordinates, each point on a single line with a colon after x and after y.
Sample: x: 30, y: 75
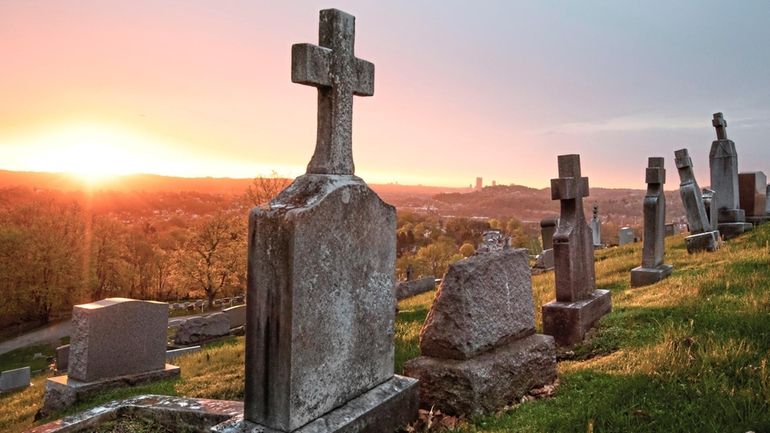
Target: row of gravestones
x: 321, y: 267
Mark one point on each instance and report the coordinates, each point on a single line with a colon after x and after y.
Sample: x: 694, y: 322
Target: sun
x: 92, y: 162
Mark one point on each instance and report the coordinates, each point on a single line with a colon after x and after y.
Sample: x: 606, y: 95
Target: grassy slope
x: 687, y: 354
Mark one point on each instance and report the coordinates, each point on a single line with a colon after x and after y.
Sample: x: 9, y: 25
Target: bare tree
x: 263, y: 189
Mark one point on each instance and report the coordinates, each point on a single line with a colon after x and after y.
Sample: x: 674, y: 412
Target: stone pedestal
x: 487, y: 382
x: 708, y: 241
x: 733, y: 230
x: 641, y: 276
x: 64, y: 391
x: 568, y: 322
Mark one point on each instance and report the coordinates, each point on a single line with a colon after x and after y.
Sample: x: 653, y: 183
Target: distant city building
x: 494, y: 183
x: 479, y: 183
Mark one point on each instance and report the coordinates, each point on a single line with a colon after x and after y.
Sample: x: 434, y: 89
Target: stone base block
x: 708, y: 241
x: 731, y: 215
x: 732, y: 230
x: 757, y: 220
x: 383, y: 409
x: 62, y: 392
x: 487, y: 382
x: 569, y: 321
x: 545, y: 260
x: 645, y: 276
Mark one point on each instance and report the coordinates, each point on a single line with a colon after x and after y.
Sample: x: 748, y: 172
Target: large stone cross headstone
x: 321, y: 269
x: 333, y: 68
x: 723, y: 162
x: 578, y: 304
x: 702, y: 236
x: 653, y: 269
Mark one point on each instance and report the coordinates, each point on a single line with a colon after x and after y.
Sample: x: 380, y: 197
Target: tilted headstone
x: 196, y: 330
x: 321, y: 267
x: 236, y: 315
x: 596, y: 227
x: 478, y: 345
x: 753, y: 194
x: 578, y: 305
x: 723, y: 162
x: 12, y: 380
x: 626, y: 236
x: 62, y: 357
x: 653, y: 269
x: 702, y: 237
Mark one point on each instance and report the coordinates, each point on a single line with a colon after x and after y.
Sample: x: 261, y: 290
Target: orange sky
x: 202, y: 88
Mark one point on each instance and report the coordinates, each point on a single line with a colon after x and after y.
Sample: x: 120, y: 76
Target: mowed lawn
x: 688, y: 354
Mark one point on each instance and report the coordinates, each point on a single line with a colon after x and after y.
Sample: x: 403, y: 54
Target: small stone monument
x: 753, y: 195
x: 544, y: 260
x: 626, y: 236
x: 653, y: 269
x: 321, y: 267
x: 115, y: 342
x: 578, y: 305
x: 709, y: 203
x: 596, y: 227
x: 478, y: 345
x: 670, y: 229
x: 12, y: 380
x: 493, y: 240
x: 723, y: 161
x: 702, y: 237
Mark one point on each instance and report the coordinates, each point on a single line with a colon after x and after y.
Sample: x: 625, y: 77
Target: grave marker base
x: 757, y: 220
x: 486, y: 382
x: 708, y: 241
x: 62, y: 392
x: 645, y: 276
x: 569, y: 321
x: 382, y: 409
x: 733, y: 230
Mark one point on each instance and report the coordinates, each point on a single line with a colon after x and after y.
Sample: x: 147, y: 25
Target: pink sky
x: 202, y: 88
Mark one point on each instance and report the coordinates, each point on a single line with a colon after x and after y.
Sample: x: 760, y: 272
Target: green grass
x: 24, y: 357
x: 687, y: 354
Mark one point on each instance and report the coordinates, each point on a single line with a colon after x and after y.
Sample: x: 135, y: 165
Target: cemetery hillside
x: 687, y: 354
x: 551, y: 238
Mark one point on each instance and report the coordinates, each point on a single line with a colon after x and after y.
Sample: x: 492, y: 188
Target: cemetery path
x: 54, y: 332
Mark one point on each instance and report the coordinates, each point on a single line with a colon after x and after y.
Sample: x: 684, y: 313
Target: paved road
x: 53, y: 333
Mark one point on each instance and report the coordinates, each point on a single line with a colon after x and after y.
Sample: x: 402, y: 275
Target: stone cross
x: 338, y: 75
x: 720, y: 124
x: 654, y: 213
x: 573, y: 247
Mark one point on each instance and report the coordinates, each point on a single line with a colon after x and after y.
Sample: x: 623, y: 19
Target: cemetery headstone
x: 578, y: 305
x: 115, y: 342
x: 321, y: 267
x: 493, y: 240
x: 702, y: 237
x: 653, y: 269
x: 753, y: 196
x: 196, y: 330
x: 709, y: 203
x: 626, y: 236
x: 405, y: 289
x: 62, y: 357
x: 236, y: 316
x: 723, y: 162
x: 670, y: 229
x: 767, y: 208
x: 12, y: 380
x: 479, y: 350
x: 544, y: 260
x: 596, y: 228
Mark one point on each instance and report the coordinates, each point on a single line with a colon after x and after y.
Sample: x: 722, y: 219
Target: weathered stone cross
x: 570, y: 185
x: 338, y: 75
x: 720, y: 124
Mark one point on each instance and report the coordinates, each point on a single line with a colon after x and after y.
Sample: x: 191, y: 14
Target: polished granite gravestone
x: 753, y: 196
